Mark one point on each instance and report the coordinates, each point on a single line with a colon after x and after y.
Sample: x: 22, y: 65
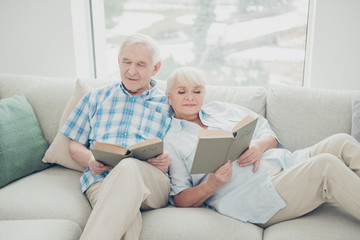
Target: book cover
x: 112, y: 154
x: 215, y: 147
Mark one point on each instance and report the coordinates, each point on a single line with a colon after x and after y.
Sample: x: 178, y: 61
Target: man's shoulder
x: 103, y: 92
x: 106, y: 88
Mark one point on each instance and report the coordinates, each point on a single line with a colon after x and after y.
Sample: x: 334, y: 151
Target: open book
x: 112, y: 154
x: 215, y: 147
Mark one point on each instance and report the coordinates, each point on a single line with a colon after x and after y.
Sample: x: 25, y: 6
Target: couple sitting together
x: 265, y: 185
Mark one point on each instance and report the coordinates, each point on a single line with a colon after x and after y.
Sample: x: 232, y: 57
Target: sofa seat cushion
x: 329, y: 221
x: 172, y: 223
x: 39, y: 230
x: 50, y: 194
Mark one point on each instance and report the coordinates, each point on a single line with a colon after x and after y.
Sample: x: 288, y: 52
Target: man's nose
x: 132, y: 69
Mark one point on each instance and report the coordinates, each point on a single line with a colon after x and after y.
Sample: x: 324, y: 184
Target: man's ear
x: 156, y: 68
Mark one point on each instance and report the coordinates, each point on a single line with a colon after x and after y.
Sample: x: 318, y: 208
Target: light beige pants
x: 332, y: 173
x: 132, y: 185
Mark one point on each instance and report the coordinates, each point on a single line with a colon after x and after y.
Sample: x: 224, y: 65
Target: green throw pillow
x: 22, y: 145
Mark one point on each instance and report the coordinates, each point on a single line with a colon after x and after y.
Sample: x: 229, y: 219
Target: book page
x: 108, y: 147
x: 145, y: 143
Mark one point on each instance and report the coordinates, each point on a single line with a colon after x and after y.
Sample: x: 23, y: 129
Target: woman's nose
x: 189, y: 96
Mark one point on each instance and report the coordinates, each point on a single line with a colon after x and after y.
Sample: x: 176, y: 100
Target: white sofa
x: 49, y: 204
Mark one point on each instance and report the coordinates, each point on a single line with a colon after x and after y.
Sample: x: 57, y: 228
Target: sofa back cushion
x: 47, y: 95
x: 253, y: 98
x: 301, y: 116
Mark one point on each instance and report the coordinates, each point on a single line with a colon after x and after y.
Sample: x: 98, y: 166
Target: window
x: 236, y: 42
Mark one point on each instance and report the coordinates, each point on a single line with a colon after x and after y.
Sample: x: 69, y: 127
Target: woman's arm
x: 85, y: 158
x: 195, y: 196
x: 255, y: 151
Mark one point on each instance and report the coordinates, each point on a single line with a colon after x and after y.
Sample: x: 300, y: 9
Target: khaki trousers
x: 132, y: 185
x: 332, y: 173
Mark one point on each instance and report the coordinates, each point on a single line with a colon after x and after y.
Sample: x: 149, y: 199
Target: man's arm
x: 84, y: 157
x: 255, y: 151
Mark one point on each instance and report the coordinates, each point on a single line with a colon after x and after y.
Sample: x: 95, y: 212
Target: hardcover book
x: 215, y: 147
x: 112, y: 154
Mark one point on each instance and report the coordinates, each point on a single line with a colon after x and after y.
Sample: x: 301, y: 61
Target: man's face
x: 136, y: 68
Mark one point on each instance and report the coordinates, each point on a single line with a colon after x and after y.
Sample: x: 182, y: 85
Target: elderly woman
x: 266, y: 184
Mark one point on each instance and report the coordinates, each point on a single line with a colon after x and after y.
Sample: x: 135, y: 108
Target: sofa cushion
x: 39, y: 230
x: 58, y: 151
x: 253, y: 98
x: 302, y: 117
x: 172, y: 223
x: 355, y: 126
x: 50, y: 194
x: 21, y: 142
x: 329, y: 221
x: 48, y: 97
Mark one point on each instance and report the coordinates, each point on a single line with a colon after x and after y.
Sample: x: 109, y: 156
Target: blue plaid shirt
x: 111, y: 115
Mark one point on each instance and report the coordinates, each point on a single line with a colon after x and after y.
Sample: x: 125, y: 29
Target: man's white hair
x: 146, y: 40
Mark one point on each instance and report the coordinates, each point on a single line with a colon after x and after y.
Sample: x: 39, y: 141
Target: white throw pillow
x: 58, y: 151
x: 355, y: 127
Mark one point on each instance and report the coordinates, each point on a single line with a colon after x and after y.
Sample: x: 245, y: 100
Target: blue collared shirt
x: 249, y: 197
x: 111, y: 115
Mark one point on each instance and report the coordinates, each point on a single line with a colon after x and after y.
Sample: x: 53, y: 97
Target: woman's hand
x: 220, y: 177
x: 255, y: 151
x: 251, y: 156
x: 161, y: 162
x: 97, y: 167
x: 196, y: 196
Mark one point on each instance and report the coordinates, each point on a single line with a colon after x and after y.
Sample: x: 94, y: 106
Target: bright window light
x: 236, y: 42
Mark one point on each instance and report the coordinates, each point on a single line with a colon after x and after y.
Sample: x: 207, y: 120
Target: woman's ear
x: 168, y: 97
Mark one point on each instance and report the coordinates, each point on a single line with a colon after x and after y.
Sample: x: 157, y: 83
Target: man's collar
x: 146, y: 94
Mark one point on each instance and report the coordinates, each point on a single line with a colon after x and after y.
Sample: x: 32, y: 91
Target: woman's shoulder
x: 218, y: 107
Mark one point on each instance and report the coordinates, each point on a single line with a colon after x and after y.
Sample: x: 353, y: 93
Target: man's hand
x: 97, y: 167
x: 220, y: 177
x: 251, y: 156
x: 161, y: 162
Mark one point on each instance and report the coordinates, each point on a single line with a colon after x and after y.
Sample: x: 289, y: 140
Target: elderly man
x: 124, y: 113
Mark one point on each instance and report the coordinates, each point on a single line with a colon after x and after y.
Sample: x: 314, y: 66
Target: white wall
x: 333, y: 47
x: 37, y: 38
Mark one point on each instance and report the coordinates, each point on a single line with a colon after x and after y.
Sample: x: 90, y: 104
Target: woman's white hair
x: 186, y: 75
x: 146, y: 40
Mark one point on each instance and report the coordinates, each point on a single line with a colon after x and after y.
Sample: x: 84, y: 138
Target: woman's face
x: 186, y: 100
